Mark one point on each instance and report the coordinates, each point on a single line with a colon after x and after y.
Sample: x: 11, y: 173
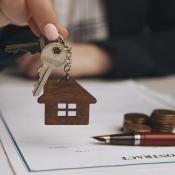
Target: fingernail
x: 51, y: 32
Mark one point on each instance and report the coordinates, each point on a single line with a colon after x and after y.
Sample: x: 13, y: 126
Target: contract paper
x: 47, y: 148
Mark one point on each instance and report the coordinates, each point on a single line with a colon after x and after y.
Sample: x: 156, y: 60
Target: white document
x: 47, y: 148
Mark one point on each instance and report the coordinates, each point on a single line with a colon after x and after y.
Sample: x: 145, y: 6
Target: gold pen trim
x: 106, y: 138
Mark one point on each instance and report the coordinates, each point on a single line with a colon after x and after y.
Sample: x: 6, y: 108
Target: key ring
x: 68, y: 63
x: 68, y: 60
x: 68, y: 49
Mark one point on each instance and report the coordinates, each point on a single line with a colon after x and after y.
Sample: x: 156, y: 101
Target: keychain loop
x: 67, y: 66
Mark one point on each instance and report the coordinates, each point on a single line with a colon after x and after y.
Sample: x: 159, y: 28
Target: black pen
x: 140, y: 139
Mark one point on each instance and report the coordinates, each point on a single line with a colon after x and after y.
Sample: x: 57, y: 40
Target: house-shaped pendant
x: 66, y: 102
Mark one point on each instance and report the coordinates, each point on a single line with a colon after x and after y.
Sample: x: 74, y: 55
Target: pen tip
x: 98, y: 138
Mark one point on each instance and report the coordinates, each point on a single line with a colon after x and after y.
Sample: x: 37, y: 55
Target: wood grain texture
x: 74, y: 101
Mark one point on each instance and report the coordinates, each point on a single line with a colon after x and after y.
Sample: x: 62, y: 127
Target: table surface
x: 164, y: 85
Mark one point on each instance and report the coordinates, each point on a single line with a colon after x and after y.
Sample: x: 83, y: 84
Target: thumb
x: 43, y: 14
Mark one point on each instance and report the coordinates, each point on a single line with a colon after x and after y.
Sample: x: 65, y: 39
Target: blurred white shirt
x: 84, y: 19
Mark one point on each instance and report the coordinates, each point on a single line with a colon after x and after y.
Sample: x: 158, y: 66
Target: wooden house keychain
x: 66, y: 102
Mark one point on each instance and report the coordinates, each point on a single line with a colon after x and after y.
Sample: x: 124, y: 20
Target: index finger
x: 43, y: 13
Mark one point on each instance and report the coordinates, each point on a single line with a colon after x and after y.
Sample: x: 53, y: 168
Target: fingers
x: 15, y: 10
x: 34, y: 27
x: 3, y: 20
x: 38, y: 14
x: 44, y: 16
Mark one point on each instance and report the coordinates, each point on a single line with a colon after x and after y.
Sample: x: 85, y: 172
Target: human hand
x: 87, y: 60
x: 38, y: 14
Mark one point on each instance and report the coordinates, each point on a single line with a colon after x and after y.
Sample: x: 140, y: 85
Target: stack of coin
x: 163, y: 120
x: 136, y: 122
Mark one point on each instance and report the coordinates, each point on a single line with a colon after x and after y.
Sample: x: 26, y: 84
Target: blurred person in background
x: 110, y: 38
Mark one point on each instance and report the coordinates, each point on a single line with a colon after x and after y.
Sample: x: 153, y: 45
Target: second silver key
x: 52, y: 55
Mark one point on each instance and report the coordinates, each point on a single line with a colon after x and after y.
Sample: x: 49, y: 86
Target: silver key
x: 53, y: 55
x: 32, y: 47
x: 21, y: 47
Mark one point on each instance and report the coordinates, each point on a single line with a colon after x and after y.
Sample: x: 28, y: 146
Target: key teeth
x: 39, y: 69
x: 10, y: 51
x: 34, y: 92
x: 40, y: 74
x: 15, y: 51
x: 35, y: 95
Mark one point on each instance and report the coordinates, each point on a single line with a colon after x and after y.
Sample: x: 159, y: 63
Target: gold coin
x: 135, y: 118
x: 163, y: 120
x: 142, y: 128
x: 163, y: 114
